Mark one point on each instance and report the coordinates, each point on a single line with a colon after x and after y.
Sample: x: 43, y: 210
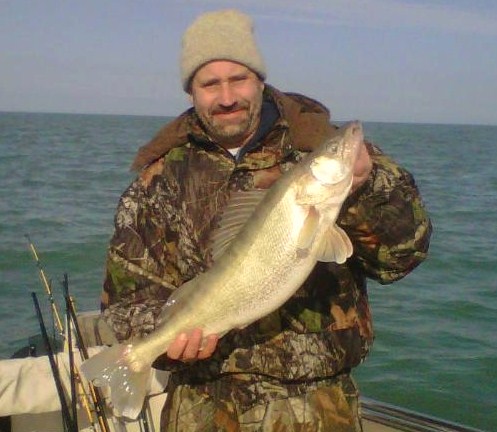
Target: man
x: 290, y: 370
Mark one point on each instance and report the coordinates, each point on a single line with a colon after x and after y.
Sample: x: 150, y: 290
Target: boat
x: 29, y: 399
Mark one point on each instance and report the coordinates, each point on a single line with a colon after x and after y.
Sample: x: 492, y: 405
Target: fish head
x: 331, y: 166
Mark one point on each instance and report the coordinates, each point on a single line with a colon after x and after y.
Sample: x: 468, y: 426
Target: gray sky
x: 374, y: 60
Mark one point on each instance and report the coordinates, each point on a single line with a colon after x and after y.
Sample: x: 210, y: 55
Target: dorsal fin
x: 240, y: 207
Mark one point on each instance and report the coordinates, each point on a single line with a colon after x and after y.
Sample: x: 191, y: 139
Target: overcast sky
x: 374, y: 60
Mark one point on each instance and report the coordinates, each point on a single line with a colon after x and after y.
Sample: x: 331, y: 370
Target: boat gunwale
x: 406, y: 420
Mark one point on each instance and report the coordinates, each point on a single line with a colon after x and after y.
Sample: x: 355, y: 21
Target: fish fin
x: 335, y: 246
x: 112, y: 367
x: 240, y: 207
x: 309, y: 229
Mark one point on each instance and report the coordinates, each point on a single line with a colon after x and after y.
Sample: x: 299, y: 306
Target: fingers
x: 192, y: 347
x: 210, y: 346
x: 175, y: 350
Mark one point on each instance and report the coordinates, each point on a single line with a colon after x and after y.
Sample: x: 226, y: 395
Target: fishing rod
x: 75, y: 377
x: 66, y: 416
x: 95, y: 395
x: 47, y: 286
x: 97, y: 398
x: 144, y: 419
x: 72, y: 366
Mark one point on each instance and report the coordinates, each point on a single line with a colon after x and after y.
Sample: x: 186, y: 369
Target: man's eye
x: 210, y: 84
x: 240, y: 79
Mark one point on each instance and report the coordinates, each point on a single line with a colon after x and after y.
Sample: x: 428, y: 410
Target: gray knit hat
x: 222, y: 35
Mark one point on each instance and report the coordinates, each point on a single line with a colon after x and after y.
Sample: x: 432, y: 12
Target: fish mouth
x: 352, y: 139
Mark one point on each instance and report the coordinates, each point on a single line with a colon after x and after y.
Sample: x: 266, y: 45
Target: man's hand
x: 189, y: 347
x: 362, y: 168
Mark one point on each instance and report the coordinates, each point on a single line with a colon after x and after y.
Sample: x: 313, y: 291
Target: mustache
x: 235, y: 106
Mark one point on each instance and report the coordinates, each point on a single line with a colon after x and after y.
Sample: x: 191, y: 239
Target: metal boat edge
x: 383, y: 417
x: 376, y: 416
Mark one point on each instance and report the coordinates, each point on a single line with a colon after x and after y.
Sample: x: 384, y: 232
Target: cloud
x: 444, y: 17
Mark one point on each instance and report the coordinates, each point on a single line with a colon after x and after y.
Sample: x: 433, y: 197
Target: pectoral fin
x: 335, y: 246
x: 309, y: 229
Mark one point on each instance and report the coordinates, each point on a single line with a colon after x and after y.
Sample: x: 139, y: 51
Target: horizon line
x: 410, y: 122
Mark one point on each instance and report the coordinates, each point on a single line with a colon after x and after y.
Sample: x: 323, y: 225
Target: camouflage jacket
x: 161, y: 240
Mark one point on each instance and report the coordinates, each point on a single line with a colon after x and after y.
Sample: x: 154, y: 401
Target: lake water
x: 436, y: 331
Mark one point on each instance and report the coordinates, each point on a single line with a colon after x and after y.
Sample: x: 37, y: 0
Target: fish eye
x: 332, y: 147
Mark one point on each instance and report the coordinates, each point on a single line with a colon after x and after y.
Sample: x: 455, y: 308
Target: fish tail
x: 112, y: 368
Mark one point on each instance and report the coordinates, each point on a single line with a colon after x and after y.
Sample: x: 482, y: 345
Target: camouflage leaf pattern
x: 246, y: 403
x: 161, y: 240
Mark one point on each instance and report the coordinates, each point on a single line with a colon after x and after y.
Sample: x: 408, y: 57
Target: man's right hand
x: 190, y: 347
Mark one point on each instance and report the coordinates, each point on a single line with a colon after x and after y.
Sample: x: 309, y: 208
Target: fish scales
x: 289, y: 231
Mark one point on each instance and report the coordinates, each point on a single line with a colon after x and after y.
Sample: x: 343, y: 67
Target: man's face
x: 227, y: 97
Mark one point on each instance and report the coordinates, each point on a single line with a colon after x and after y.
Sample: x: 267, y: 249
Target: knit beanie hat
x: 221, y: 35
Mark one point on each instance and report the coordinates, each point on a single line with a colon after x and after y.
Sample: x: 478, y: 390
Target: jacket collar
x: 306, y: 120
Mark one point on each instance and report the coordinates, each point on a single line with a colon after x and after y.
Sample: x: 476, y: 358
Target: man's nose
x: 227, y: 96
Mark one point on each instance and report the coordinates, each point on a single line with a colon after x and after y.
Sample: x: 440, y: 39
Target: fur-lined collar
x: 307, y: 121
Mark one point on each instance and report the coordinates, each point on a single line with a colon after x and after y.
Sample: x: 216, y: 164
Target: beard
x: 232, y: 131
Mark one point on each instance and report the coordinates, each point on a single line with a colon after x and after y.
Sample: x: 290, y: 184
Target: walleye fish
x: 270, y: 257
